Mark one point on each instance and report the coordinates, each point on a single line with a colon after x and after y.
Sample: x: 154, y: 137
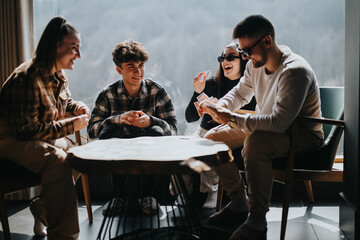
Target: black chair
x: 318, y: 164
x: 315, y: 165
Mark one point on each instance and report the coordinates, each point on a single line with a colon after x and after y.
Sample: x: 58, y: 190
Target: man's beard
x: 262, y: 60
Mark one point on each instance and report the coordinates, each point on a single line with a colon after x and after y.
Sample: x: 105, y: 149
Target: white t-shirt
x: 290, y: 91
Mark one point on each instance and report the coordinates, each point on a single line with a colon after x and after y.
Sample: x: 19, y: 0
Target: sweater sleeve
x: 100, y: 116
x: 191, y: 113
x: 292, y: 90
x: 240, y: 95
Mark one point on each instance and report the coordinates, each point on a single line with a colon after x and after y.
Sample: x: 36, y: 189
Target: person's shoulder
x: 25, y: 74
x: 295, y: 65
x: 112, y: 86
x: 26, y: 69
x: 109, y: 90
x: 153, y: 84
x: 293, y: 60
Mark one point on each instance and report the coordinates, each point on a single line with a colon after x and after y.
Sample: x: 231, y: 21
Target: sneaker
x: 149, y: 205
x: 113, y: 207
x: 37, y: 209
x: 211, y: 200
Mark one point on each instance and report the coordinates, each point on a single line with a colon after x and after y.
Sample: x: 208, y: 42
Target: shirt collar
x: 143, y: 91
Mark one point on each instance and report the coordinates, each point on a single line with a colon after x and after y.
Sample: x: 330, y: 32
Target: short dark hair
x: 54, y: 33
x: 128, y: 51
x: 254, y: 26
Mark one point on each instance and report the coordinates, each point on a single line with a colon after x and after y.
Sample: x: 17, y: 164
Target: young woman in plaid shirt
x: 33, y: 101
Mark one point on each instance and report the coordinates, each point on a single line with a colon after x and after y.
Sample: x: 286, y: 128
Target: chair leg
x: 4, y: 217
x: 309, y: 191
x: 285, y: 210
x: 219, y: 196
x: 288, y: 180
x: 86, y: 189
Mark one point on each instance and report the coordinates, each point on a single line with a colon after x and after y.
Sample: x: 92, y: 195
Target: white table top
x: 167, y: 148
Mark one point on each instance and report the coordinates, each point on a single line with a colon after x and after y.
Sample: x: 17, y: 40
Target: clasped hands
x: 135, y: 118
x: 218, y: 112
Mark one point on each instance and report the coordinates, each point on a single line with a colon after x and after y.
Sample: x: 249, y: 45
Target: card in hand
x: 202, y: 97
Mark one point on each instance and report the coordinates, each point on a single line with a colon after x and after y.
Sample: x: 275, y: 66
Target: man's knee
x: 211, y: 134
x: 55, y: 167
x: 264, y: 145
x: 256, y: 145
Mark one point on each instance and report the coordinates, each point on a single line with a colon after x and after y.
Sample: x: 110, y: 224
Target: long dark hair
x: 54, y: 33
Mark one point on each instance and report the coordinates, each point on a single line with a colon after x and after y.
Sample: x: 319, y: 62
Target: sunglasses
x: 228, y: 58
x: 246, y: 52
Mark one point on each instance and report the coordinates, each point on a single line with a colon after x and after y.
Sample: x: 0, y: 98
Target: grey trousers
x: 58, y: 192
x: 259, y: 148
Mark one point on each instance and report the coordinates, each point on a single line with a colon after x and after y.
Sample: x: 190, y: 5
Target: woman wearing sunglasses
x: 231, y: 68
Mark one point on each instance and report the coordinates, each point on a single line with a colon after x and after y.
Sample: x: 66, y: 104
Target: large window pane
x: 185, y: 37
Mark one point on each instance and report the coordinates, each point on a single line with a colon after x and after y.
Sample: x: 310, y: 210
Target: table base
x: 170, y: 221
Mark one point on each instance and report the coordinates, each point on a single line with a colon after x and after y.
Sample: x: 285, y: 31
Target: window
x: 186, y: 37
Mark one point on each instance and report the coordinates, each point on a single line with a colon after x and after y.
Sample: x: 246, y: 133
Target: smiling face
x: 132, y: 73
x: 258, y: 55
x: 231, y: 68
x: 67, y: 52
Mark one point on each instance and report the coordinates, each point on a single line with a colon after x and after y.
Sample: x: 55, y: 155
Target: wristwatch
x: 232, y: 122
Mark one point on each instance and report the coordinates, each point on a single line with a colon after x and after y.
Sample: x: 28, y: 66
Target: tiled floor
x: 306, y: 222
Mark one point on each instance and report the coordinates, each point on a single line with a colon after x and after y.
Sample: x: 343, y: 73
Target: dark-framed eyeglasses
x: 246, y: 52
x: 228, y: 58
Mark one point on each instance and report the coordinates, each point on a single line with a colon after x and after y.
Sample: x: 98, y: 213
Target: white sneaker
x: 210, y: 200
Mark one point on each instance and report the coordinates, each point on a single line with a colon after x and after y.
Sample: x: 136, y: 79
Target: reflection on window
x: 186, y: 37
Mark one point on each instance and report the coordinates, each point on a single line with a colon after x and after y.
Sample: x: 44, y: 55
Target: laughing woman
x: 32, y: 102
x: 231, y: 68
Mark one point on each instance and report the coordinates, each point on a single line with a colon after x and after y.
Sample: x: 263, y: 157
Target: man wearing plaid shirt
x: 133, y: 106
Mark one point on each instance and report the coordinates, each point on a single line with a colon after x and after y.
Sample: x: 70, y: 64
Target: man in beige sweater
x: 285, y: 87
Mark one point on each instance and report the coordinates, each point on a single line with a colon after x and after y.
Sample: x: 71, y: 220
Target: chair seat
x: 318, y: 159
x: 308, y: 160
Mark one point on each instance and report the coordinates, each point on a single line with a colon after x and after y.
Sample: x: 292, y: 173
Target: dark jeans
x: 142, y: 185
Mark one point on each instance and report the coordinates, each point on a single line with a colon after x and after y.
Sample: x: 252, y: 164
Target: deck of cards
x: 203, y: 97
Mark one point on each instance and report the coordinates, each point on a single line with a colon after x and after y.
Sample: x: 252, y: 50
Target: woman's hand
x: 80, y: 122
x: 199, y: 83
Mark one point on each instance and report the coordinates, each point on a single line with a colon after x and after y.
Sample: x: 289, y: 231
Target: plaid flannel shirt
x: 32, y: 104
x: 113, y: 101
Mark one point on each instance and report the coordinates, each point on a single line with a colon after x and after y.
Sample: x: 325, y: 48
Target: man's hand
x: 80, y: 122
x: 135, y: 118
x: 219, y: 114
x: 142, y: 121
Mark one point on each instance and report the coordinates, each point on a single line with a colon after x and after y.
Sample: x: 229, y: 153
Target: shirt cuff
x: 155, y: 121
x: 112, y: 120
x: 241, y: 120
